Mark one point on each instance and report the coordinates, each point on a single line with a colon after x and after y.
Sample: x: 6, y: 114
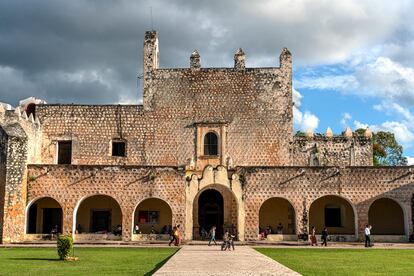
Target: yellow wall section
x: 42, y: 203
x: 102, y: 202
x: 275, y: 211
x: 386, y: 217
x: 317, y: 215
x: 154, y: 204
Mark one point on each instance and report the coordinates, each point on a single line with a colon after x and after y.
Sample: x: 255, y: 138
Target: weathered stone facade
x: 255, y: 157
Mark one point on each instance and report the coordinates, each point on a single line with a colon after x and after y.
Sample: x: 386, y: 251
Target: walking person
x: 313, y: 237
x: 225, y: 243
x: 324, y: 237
x: 173, y: 238
x: 367, y: 232
x: 177, y: 235
x: 231, y: 242
x: 212, y: 235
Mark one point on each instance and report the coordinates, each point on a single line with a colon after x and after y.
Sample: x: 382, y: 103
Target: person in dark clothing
x: 324, y: 237
x: 173, y: 236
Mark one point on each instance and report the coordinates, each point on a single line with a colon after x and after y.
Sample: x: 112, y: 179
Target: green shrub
x: 64, y: 246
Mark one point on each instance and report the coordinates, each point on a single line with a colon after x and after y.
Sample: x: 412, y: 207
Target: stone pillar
x: 68, y: 218
x: 127, y: 222
x: 239, y: 60
x: 362, y: 218
x: 151, y: 63
x: 14, y: 148
x: 195, y: 62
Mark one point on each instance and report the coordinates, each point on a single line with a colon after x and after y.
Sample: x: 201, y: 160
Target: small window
x: 31, y: 109
x: 210, y: 144
x: 64, y: 152
x: 333, y: 217
x: 149, y: 217
x: 118, y: 148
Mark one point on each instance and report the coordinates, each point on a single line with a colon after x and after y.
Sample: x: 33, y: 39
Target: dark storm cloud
x: 91, y: 51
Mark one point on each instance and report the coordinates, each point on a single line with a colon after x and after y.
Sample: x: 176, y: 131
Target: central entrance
x: 211, y: 211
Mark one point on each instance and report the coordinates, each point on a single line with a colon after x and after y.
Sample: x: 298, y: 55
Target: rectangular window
x: 149, y: 217
x: 64, y: 152
x: 118, y: 148
x: 333, y: 217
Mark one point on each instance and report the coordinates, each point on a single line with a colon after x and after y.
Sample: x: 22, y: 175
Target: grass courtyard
x: 92, y: 261
x: 344, y: 261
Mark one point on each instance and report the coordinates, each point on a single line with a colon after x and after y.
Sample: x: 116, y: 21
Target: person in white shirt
x: 367, y: 235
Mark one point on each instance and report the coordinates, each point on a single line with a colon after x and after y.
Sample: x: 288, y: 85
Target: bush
x: 64, y: 246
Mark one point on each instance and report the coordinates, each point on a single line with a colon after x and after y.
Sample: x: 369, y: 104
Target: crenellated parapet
x: 347, y: 149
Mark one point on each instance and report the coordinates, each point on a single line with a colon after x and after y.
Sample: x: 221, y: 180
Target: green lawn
x: 92, y: 261
x: 344, y: 261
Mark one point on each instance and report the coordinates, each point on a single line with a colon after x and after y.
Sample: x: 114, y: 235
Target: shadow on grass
x: 160, y: 264
x: 35, y: 259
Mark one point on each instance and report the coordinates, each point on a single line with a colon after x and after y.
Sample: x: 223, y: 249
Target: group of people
x: 324, y: 237
x: 175, y: 235
x: 228, y: 239
x: 264, y: 232
x: 166, y: 229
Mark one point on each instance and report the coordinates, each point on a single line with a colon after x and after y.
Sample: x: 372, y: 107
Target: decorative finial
x: 328, y: 132
x: 368, y: 133
x: 348, y: 132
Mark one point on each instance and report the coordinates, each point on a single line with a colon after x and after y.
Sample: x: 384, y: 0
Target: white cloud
x: 331, y: 82
x: 410, y: 160
x: 309, y: 121
x: 306, y: 120
x: 387, y: 79
x: 382, y: 78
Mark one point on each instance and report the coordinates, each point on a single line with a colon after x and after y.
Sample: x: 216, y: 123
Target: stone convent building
x: 208, y: 146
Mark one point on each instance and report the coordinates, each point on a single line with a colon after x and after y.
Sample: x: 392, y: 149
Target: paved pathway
x: 205, y: 260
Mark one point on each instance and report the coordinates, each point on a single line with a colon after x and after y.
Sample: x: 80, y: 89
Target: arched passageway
x: 215, y: 205
x: 99, y: 214
x: 386, y: 217
x: 277, y: 214
x: 44, y: 216
x: 333, y: 212
x: 153, y: 216
x: 211, y: 211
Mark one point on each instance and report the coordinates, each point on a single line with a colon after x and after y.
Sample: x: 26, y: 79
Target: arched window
x: 31, y: 109
x: 210, y: 144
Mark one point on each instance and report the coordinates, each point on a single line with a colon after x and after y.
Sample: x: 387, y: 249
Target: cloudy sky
x: 353, y: 60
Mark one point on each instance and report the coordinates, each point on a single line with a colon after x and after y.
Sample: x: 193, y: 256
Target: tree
x: 386, y: 150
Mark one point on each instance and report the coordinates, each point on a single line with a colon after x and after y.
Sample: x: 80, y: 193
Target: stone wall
x: 3, y: 155
x: 301, y: 186
x: 332, y: 151
x: 128, y: 185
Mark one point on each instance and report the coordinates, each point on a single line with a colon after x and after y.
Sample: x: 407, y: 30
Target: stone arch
x: 226, y: 214
x: 42, y: 215
x: 277, y: 210
x: 386, y: 216
x: 334, y: 212
x: 97, y: 214
x: 156, y: 221
x: 218, y: 177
